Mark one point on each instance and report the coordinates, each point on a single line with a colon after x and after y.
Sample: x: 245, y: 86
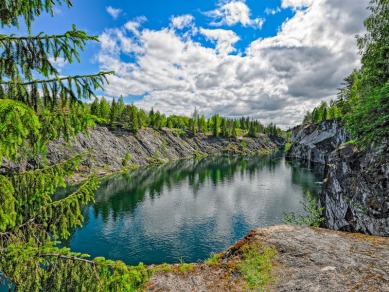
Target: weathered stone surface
x: 315, y: 142
x: 108, y: 148
x: 308, y: 259
x: 356, y: 192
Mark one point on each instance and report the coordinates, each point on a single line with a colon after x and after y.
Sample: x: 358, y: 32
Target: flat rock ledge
x: 308, y: 259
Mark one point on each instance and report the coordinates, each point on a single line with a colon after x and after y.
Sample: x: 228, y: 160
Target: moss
x: 257, y: 265
x: 163, y: 268
x: 184, y: 268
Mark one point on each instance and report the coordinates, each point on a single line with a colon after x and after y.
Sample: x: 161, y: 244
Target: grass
x: 185, y: 267
x: 213, y: 260
x: 164, y: 268
x: 256, y: 266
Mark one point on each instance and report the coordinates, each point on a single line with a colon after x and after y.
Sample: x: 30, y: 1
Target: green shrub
x: 212, y: 260
x: 126, y: 159
x: 313, y: 218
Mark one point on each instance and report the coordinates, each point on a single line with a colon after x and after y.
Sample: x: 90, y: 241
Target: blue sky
x: 271, y: 60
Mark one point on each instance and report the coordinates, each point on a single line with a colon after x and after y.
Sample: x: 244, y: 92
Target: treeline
x: 324, y: 112
x: 119, y: 115
x: 363, y: 101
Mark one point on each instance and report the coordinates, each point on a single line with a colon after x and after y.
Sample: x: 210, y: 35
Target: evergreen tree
x: 32, y: 113
x: 369, y: 118
x: 253, y: 129
x: 104, y: 109
x: 202, y: 124
x: 120, y: 105
x: 152, y: 118
x: 195, y: 122
x: 143, y: 119
x: 215, y: 125
x: 94, y: 108
x: 134, y: 121
x: 374, y: 46
x: 114, y: 113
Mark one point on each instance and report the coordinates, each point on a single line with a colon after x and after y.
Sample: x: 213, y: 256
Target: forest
x: 118, y: 115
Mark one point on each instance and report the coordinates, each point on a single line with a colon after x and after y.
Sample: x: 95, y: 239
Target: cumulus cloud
x: 233, y: 12
x: 114, y: 12
x: 225, y: 39
x: 277, y: 79
x: 181, y: 21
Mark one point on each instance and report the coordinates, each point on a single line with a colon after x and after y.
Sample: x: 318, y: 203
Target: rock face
x: 315, y: 142
x: 356, y: 192
x: 308, y: 259
x: 108, y: 149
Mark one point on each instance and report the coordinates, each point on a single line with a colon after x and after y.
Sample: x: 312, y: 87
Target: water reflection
x: 190, y: 208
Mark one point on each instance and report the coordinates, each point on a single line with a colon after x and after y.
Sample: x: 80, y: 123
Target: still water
x: 188, y: 209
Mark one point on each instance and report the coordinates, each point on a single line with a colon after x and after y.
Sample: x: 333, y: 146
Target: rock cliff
x: 108, y: 151
x: 315, y: 142
x: 356, y: 191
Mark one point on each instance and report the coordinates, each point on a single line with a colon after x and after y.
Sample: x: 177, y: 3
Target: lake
x: 188, y: 209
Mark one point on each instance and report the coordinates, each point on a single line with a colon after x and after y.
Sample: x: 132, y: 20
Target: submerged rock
x: 315, y: 142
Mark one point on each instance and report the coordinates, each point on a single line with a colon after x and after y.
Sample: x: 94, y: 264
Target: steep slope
x: 356, y: 191
x: 315, y: 142
x: 108, y: 151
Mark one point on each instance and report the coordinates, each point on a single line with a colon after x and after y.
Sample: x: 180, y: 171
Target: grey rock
x: 107, y: 149
x: 315, y: 142
x: 356, y: 191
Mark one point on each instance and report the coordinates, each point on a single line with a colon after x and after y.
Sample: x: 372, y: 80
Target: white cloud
x: 277, y: 79
x: 233, y: 12
x: 297, y: 3
x: 58, y: 63
x: 225, y: 39
x: 182, y: 21
x: 270, y: 11
x: 114, y: 12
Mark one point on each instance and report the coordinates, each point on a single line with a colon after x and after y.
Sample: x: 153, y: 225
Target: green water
x: 188, y: 209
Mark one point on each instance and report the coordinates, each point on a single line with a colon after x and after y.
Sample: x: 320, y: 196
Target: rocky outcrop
x: 356, y: 191
x: 315, y: 142
x: 308, y: 259
x: 108, y: 151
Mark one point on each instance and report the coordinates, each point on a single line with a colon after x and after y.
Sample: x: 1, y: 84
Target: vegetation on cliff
x: 363, y: 101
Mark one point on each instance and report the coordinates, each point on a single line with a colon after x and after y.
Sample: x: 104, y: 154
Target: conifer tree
x: 34, y: 111
x: 215, y: 125
x: 104, y: 109
x: 94, y: 107
x: 114, y: 113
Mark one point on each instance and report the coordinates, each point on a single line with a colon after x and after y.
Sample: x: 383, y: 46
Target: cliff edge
x: 307, y: 259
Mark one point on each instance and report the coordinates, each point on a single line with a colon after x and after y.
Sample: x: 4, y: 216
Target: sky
x: 270, y: 60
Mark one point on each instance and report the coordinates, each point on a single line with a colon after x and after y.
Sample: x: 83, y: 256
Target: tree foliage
x: 34, y: 111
